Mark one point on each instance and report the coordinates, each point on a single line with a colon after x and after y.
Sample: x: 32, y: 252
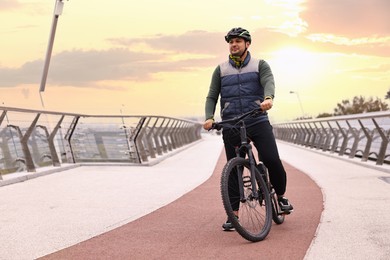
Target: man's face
x: 237, y: 46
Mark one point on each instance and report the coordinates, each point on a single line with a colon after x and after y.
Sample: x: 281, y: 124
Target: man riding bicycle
x: 245, y: 83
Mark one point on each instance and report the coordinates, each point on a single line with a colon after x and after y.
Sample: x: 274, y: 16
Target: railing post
x: 320, y: 138
x: 24, y: 142
x: 140, y: 143
x: 345, y: 139
x: 156, y: 137
x: 5, y: 149
x: 50, y: 139
x: 53, y: 153
x: 68, y: 136
x: 172, y: 135
x: 163, y: 136
x: 355, y: 135
x: 313, y: 137
x: 324, y: 138
x: 5, y: 161
x: 150, y: 140
x: 294, y: 137
x: 168, y: 135
x: 302, y: 134
x: 3, y: 116
x: 307, y: 138
x: 134, y: 138
x: 385, y: 141
x: 55, y: 159
x: 366, y: 151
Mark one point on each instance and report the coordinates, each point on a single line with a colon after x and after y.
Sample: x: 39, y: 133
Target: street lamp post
x: 57, y: 12
x: 300, y: 103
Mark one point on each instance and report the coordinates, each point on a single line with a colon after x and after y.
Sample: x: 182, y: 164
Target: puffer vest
x: 241, y: 90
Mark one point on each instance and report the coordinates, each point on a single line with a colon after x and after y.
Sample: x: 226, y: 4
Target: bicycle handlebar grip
x: 216, y: 126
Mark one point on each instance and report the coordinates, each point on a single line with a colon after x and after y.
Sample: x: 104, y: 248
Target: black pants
x: 263, y: 139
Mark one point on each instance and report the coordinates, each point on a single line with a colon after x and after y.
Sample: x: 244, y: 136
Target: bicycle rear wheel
x: 277, y: 215
x: 254, y: 218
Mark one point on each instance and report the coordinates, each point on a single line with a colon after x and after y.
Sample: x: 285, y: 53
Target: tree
x: 324, y: 115
x: 387, y: 95
x: 360, y: 105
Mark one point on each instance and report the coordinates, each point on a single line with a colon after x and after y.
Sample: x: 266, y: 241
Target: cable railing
x: 36, y: 138
x: 365, y: 136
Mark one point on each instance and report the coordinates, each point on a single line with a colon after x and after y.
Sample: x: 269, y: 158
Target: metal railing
x: 37, y: 138
x: 362, y: 135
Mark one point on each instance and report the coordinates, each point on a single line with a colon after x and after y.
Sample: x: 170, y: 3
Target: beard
x: 237, y: 53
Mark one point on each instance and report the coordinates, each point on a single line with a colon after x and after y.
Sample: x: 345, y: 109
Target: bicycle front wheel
x: 250, y: 213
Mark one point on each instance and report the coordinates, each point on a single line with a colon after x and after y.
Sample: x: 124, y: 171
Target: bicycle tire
x: 277, y: 217
x: 255, y: 215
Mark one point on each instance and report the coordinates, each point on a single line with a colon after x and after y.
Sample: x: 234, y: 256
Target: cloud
x: 288, y: 16
x: 86, y: 68
x: 292, y: 27
x: 26, y: 74
x: 381, y: 68
x: 6, y: 5
x: 189, y: 42
x: 347, y: 26
x: 349, y: 18
x: 376, y: 46
x: 189, y: 51
x: 347, y: 41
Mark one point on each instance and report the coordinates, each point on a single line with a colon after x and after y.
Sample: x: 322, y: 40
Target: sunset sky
x: 156, y: 57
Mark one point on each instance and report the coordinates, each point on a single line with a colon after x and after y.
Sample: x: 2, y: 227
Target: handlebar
x: 235, y: 120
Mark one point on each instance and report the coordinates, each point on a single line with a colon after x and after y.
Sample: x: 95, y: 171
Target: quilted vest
x: 241, y: 90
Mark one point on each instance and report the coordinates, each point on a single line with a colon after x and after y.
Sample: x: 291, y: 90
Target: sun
x: 296, y: 66
x: 295, y: 60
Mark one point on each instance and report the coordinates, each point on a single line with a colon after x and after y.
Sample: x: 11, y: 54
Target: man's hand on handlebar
x: 208, y: 124
x: 266, y: 104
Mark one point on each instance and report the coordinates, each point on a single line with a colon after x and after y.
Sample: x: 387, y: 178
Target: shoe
x: 285, y: 205
x: 228, y: 226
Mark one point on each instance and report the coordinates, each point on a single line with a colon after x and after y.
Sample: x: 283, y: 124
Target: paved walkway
x: 356, y: 219
x: 96, y: 212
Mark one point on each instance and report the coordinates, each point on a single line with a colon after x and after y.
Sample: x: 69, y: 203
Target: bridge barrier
x: 37, y: 138
x: 361, y: 135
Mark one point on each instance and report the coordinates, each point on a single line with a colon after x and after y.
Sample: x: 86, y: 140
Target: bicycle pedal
x: 283, y: 213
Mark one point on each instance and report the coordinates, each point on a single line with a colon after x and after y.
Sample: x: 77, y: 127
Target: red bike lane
x: 190, y: 228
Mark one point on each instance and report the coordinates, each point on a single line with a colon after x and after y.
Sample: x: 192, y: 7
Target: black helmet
x: 238, y: 32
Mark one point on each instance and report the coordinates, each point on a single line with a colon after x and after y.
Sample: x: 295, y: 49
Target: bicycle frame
x: 252, y: 162
x: 244, y: 145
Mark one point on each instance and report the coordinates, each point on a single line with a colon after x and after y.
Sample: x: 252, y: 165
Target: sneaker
x: 227, y: 226
x: 285, y: 205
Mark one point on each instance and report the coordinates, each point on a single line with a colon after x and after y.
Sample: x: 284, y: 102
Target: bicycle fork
x: 247, y: 181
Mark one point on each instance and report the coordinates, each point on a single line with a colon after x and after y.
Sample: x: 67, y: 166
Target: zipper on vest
x: 239, y: 88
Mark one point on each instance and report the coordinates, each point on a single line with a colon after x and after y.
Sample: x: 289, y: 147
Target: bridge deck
x: 173, y: 210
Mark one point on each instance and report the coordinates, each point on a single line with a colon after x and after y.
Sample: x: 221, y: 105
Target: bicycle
x: 258, y: 202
